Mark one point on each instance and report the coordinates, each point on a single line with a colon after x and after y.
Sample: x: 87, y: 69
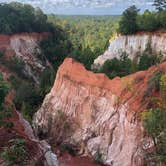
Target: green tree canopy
x: 128, y: 24
x: 16, y: 17
x: 4, y: 87
x: 147, y: 21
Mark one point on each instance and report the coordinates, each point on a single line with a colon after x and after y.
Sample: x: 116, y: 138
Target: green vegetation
x: 128, y: 24
x: 163, y: 87
x: 117, y: 67
x: 46, y: 81
x: 28, y: 98
x: 16, y: 65
x: 124, y: 66
x: 154, y: 119
x: 4, y: 87
x: 131, y: 21
x: 56, y: 48
x: 88, y: 35
x: 154, y: 124
x: 5, y: 111
x: 148, y: 58
x: 16, y: 153
x: 153, y: 83
x: 81, y: 37
x: 69, y: 148
x: 98, y: 157
x: 16, y: 17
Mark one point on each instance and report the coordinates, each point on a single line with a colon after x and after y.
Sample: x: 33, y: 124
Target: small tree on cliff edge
x: 160, y: 4
x: 128, y: 24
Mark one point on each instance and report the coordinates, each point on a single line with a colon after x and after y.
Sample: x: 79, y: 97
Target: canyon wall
x: 133, y: 45
x: 24, y: 46
x: 39, y: 152
x: 99, y: 116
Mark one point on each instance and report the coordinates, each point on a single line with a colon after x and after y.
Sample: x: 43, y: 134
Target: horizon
x: 86, y: 7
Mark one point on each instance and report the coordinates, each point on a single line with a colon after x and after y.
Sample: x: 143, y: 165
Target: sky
x: 87, y: 7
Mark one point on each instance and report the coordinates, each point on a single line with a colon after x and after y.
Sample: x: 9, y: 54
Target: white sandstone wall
x: 132, y: 45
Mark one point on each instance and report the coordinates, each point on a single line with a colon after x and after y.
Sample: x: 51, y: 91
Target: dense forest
x: 16, y: 17
x: 89, y: 35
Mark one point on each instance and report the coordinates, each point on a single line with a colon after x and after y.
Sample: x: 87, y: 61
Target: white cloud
x: 65, y: 5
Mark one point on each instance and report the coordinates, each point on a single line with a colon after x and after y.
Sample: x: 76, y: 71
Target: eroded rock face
x: 39, y: 152
x: 25, y: 46
x: 102, y: 115
x: 133, y: 45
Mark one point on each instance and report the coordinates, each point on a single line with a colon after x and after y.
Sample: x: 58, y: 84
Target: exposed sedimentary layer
x: 133, y: 45
x: 99, y: 115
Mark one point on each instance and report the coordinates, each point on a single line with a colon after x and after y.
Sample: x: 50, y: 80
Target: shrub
x: 1, y: 54
x: 153, y: 83
x: 5, y: 112
x: 27, y: 99
x: 5, y: 115
x: 98, y: 157
x: 16, y: 65
x: 16, y: 153
x: 154, y: 123
x: 59, y: 128
x: 71, y: 149
x: 163, y: 87
x: 46, y: 81
x: 148, y: 58
x: 117, y: 67
x: 4, y: 88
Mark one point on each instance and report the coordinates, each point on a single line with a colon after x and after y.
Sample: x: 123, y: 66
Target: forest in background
x: 89, y: 35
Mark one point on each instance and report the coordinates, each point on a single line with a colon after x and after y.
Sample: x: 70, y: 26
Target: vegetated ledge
x: 156, y: 32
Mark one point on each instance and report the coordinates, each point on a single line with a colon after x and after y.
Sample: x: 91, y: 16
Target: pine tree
x: 160, y: 4
x: 128, y: 23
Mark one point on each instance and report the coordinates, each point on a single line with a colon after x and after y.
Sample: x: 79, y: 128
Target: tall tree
x: 128, y: 23
x: 160, y: 4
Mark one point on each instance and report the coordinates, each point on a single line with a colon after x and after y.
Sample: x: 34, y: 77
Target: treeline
x: 89, y: 35
x: 16, y: 17
x: 131, y: 21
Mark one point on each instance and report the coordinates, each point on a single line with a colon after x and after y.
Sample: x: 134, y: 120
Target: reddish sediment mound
x: 98, y: 115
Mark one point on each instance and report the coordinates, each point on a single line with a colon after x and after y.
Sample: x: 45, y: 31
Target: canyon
x: 101, y: 117
x: 133, y: 45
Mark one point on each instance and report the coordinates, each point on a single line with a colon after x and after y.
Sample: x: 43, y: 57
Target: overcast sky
x: 87, y: 7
